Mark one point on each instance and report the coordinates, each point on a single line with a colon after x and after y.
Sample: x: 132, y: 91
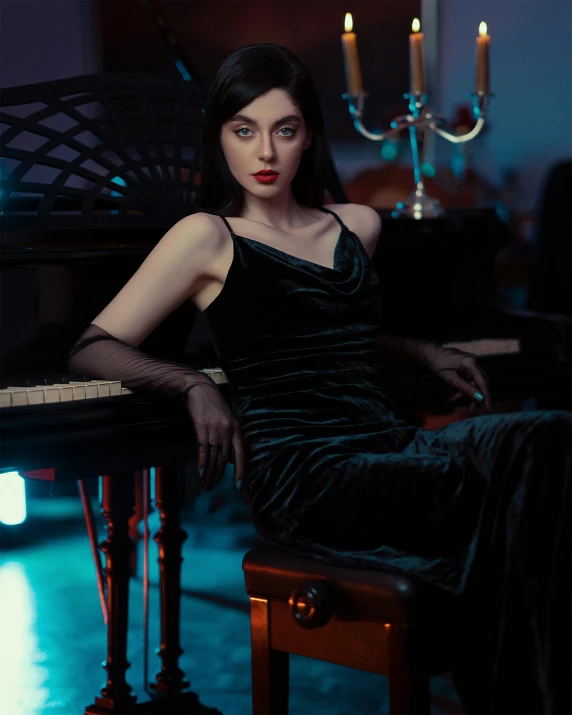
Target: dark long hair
x: 243, y: 76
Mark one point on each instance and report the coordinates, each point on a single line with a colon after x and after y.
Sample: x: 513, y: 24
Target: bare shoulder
x: 200, y: 227
x: 364, y: 221
x: 176, y: 268
x: 198, y: 235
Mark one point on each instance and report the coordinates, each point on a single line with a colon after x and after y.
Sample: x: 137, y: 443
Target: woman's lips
x: 266, y: 178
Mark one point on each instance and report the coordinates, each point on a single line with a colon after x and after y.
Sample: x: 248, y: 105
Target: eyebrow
x: 249, y: 120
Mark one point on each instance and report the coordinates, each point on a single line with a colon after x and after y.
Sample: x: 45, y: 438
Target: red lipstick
x: 266, y: 176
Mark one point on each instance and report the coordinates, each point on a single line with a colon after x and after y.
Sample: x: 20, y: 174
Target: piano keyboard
x: 18, y: 396
x: 487, y: 346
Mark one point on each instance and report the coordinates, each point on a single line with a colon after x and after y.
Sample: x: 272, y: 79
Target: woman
x: 479, y: 510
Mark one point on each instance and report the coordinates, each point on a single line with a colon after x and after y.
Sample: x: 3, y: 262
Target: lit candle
x: 351, y: 61
x: 416, y: 68
x: 483, y: 45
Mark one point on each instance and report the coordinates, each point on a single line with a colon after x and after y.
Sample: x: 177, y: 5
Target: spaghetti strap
x: 322, y: 208
x: 338, y: 219
x: 228, y: 225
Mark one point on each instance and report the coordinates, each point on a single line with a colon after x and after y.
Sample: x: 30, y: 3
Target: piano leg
x: 117, y: 503
x: 170, y: 682
x: 169, y: 496
x: 117, y: 507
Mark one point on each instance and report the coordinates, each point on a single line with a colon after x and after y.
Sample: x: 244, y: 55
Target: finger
x: 202, y: 442
x: 210, y: 463
x: 454, y: 397
x: 215, y: 466
x: 482, y: 383
x: 461, y: 384
x: 222, y: 463
x: 217, y: 469
x: 239, y: 459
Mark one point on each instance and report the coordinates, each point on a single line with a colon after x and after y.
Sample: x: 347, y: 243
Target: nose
x: 266, y: 150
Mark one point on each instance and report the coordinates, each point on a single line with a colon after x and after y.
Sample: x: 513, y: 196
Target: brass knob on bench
x: 310, y: 604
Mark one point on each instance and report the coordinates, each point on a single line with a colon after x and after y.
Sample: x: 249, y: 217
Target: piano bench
x: 375, y: 621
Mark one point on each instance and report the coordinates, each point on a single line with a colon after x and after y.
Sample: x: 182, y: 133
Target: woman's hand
x: 218, y: 434
x: 462, y: 371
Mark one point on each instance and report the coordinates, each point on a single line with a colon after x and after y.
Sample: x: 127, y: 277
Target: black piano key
x: 43, y: 379
x: 6, y: 382
x: 73, y: 377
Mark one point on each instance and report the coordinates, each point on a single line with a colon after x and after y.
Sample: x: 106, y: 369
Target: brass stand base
x: 417, y: 206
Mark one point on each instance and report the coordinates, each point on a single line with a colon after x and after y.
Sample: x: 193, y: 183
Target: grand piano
x: 113, y: 164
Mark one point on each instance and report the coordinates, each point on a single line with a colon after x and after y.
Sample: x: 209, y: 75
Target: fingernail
x: 478, y: 396
x: 239, y: 485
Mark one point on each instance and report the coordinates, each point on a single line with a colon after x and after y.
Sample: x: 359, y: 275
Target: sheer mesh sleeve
x: 98, y: 354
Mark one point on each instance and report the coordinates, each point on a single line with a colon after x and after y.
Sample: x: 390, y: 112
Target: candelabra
x: 418, y: 204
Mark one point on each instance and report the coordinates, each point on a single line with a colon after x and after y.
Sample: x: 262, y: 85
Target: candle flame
x: 416, y: 25
x: 348, y: 22
x: 483, y: 29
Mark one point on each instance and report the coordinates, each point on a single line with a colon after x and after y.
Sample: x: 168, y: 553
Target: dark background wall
x: 531, y: 58
x: 211, y: 29
x: 531, y: 76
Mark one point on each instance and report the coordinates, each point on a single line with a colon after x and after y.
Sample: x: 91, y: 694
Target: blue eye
x: 289, y: 129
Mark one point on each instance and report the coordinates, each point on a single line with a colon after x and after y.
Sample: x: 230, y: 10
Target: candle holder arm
x: 480, y: 102
x: 458, y: 139
x: 356, y: 106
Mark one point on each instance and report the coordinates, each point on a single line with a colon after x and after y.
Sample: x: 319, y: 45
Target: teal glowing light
x: 428, y: 170
x: 12, y: 499
x: 120, y: 182
x: 458, y: 163
x: 183, y: 70
x: 389, y: 151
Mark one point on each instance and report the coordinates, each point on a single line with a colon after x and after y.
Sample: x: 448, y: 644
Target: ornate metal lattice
x: 101, y: 150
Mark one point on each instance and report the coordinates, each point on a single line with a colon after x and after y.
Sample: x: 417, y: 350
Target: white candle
x: 416, y: 67
x: 483, y: 46
x: 354, y: 82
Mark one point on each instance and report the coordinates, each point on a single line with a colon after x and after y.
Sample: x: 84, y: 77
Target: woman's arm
x: 396, y: 350
x: 170, y: 274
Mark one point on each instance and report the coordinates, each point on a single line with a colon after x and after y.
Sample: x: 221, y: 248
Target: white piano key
x: 100, y: 388
x: 115, y: 387
x: 487, y: 346
x: 52, y: 393
x: 103, y: 389
x: 19, y: 396
x: 91, y: 391
x: 216, y: 374
x: 36, y: 397
x: 78, y: 389
x: 15, y: 396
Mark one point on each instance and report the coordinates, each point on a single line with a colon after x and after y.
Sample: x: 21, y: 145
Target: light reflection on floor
x: 22, y: 677
x: 53, y: 636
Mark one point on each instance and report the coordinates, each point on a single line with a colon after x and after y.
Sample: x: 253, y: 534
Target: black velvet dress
x: 479, y: 509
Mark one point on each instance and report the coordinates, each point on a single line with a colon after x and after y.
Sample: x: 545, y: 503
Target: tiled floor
x: 53, y: 635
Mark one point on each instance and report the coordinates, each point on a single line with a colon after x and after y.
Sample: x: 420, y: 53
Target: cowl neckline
x: 342, y: 260
x: 346, y: 277
x: 292, y: 257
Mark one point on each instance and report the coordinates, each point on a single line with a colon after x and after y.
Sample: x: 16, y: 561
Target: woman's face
x: 269, y: 133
